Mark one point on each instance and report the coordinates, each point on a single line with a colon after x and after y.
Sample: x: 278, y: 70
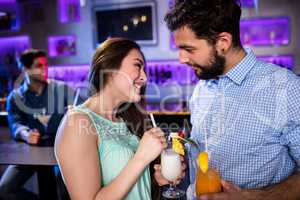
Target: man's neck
x: 36, y: 86
x: 233, y: 57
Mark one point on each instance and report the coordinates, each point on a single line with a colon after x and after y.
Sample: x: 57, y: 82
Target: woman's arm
x: 77, y: 155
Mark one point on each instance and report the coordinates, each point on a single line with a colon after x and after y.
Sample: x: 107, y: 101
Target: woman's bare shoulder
x: 76, y: 127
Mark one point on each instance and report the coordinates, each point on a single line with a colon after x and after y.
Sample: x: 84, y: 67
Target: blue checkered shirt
x: 251, y: 119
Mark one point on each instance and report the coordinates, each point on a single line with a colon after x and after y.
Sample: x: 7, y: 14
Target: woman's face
x: 129, y: 79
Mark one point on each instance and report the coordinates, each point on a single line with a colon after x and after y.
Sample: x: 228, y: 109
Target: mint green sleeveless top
x: 116, y: 147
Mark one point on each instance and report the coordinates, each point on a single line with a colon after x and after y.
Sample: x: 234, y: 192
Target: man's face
x: 39, y: 69
x: 199, y: 54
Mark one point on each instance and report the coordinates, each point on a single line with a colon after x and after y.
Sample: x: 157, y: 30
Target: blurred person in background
x: 35, y: 110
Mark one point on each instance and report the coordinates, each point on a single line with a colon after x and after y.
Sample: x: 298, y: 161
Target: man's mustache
x: 195, y: 66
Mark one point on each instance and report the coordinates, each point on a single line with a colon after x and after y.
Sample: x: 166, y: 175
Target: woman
x: 98, y: 147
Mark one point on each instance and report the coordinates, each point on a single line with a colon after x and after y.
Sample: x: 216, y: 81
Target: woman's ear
x: 110, y: 76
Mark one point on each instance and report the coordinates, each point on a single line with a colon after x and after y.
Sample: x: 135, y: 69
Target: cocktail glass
x: 208, y: 179
x: 171, y: 170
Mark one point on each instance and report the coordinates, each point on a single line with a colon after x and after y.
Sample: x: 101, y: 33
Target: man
x: 248, y: 111
x: 34, y: 113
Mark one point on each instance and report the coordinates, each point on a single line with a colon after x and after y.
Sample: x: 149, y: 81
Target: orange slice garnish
x: 177, y: 146
x: 202, y: 161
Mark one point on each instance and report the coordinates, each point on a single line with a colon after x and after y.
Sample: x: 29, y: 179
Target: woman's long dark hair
x: 109, y: 56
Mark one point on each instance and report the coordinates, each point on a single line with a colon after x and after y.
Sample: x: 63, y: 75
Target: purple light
x: 18, y: 42
x: 158, y: 72
x: 8, y: 1
x: 261, y: 32
x: 247, y: 3
x: 244, y: 3
x: 285, y: 61
x: 61, y: 45
x: 69, y: 11
x: 265, y: 31
x: 163, y: 72
x: 73, y: 75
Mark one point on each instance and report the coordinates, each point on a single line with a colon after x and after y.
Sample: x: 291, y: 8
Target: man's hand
x: 31, y: 137
x: 163, y: 181
x: 232, y: 192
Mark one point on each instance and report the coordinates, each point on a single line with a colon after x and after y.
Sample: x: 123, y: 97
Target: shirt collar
x: 239, y: 72
x: 211, y: 84
x: 25, y: 86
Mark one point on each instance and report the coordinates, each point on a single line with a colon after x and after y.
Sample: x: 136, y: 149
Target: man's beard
x: 213, y: 70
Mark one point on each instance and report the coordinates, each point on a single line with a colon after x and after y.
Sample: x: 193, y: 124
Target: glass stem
x: 172, y: 187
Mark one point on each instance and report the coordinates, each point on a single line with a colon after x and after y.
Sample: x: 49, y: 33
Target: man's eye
x: 138, y: 65
x: 189, y: 50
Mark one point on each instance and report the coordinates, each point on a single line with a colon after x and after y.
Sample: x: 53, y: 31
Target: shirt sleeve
x: 193, y: 152
x: 16, y: 118
x: 191, y: 163
x: 292, y: 138
x: 291, y: 132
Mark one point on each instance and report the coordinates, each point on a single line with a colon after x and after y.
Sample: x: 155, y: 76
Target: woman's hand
x: 151, y: 145
x: 163, y: 181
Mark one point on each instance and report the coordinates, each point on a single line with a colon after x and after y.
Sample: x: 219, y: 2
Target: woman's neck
x: 105, y: 104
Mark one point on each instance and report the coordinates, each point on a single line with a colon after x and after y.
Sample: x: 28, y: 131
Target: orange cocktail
x: 209, y: 182
x: 208, y: 179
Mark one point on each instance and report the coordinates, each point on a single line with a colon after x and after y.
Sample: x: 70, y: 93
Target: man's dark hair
x: 207, y: 18
x: 28, y: 56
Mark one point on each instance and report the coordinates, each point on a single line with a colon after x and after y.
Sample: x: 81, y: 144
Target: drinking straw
x: 76, y: 96
x: 152, y: 120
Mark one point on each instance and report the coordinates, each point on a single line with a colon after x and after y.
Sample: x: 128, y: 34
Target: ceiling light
x: 125, y: 28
